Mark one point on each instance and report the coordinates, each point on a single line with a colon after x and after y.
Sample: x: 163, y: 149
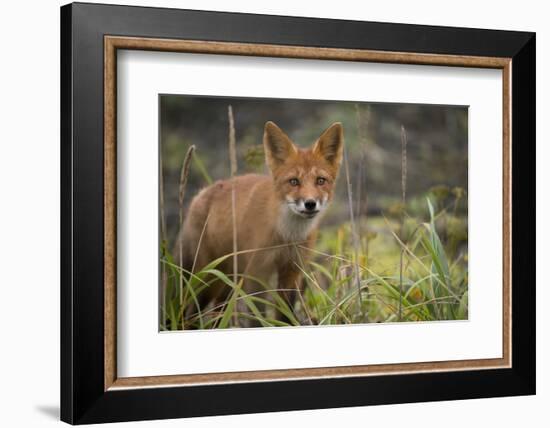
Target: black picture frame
x: 83, y: 398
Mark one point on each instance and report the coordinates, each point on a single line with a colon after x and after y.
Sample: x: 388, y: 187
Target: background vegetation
x: 398, y: 252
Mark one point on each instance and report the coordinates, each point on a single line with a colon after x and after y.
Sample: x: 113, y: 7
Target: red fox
x: 277, y: 216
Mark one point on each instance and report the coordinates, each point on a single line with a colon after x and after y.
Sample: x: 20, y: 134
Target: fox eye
x: 321, y: 181
x: 294, y: 181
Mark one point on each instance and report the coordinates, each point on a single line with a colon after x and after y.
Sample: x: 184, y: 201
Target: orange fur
x: 281, y: 210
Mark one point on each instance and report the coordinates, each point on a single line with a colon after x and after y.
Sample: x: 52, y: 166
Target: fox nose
x: 310, y: 204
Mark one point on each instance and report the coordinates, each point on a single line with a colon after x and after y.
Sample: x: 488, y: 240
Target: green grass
x: 411, y: 268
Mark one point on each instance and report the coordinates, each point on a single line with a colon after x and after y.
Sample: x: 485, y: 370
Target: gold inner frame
x: 113, y: 43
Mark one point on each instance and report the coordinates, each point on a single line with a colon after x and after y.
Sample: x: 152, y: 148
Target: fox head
x: 304, y: 178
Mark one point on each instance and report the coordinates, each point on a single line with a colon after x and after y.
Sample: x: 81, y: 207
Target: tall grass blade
x: 202, y: 169
x: 402, y: 227
x: 355, y: 238
x: 181, y: 195
x: 164, y: 278
x: 233, y: 162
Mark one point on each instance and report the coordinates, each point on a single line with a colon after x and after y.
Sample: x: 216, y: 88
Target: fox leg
x: 250, y: 287
x: 253, y: 280
x: 289, y: 285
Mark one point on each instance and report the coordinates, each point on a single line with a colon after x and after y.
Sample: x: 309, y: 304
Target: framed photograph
x: 266, y: 213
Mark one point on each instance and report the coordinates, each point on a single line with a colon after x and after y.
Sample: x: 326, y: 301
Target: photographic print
x: 290, y: 212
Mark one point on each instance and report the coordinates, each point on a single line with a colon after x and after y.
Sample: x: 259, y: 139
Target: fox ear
x: 330, y: 144
x: 277, y: 146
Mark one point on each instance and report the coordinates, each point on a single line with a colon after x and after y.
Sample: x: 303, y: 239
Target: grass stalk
x: 233, y: 164
x: 164, y: 276
x: 361, y: 123
x: 402, y: 226
x: 354, y: 236
x: 181, y: 195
